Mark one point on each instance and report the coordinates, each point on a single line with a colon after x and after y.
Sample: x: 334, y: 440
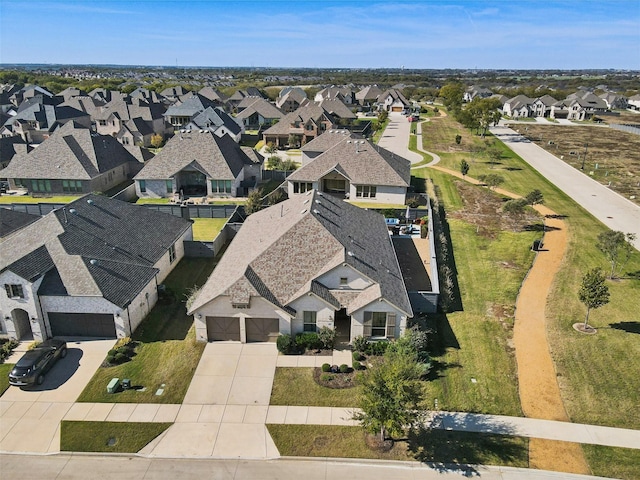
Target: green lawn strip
x: 152, y: 200
x: 127, y: 437
x: 427, y: 446
x: 295, y: 386
x: 613, y: 462
x: 596, y: 374
x: 378, y: 134
x: 377, y: 205
x: 206, y: 229
x: 4, y: 199
x: 5, y: 368
x: 413, y: 142
x: 167, y: 353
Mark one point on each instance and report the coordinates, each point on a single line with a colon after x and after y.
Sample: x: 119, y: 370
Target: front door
x: 343, y: 326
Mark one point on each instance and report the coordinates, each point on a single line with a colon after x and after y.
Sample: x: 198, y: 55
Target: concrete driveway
x: 395, y: 137
x: 224, y: 411
x: 30, y: 418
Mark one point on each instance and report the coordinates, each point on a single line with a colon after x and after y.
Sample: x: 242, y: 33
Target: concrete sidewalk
x: 615, y: 211
x: 435, y: 156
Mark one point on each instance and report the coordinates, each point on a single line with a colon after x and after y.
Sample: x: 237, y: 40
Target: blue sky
x: 516, y: 34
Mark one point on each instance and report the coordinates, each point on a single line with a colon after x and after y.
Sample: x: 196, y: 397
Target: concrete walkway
x: 395, y: 137
x: 615, y: 211
x: 435, y: 156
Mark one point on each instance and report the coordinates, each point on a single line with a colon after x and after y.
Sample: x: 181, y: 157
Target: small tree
x: 458, y: 139
x: 293, y: 140
x: 593, y: 292
x: 274, y: 163
x: 156, y: 140
x: 515, y: 207
x: 271, y: 148
x: 617, y: 247
x: 254, y: 202
x: 534, y: 197
x: 464, y: 167
x: 492, y: 180
x: 382, y: 116
x: 391, y: 393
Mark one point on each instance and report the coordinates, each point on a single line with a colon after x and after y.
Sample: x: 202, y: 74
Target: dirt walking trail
x: 537, y: 382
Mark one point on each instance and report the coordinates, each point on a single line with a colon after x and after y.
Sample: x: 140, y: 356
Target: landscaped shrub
x: 6, y: 349
x: 377, y: 348
x: 326, y: 367
x: 120, y: 358
x: 357, y: 365
x: 308, y: 341
x: 344, y: 368
x: 112, y: 352
x: 326, y: 377
x: 360, y: 344
x: 357, y: 356
x: 327, y: 337
x: 286, y: 344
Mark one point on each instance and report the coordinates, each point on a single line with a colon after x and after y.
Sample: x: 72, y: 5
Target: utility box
x: 126, y: 384
x: 113, y: 385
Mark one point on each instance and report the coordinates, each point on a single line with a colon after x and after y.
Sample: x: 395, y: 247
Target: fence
x: 635, y: 129
x: 279, y: 175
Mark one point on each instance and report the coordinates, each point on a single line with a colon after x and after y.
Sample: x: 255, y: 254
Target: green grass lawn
x: 4, y: 199
x: 206, y: 229
x: 295, y: 386
x: 167, y: 354
x: 430, y: 445
x: 613, y: 462
x: 5, y: 368
x: 152, y: 200
x: 125, y: 437
x: 413, y: 142
x: 378, y: 134
x: 377, y: 205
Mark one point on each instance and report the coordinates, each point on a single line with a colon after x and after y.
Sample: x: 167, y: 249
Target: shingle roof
x: 360, y: 161
x: 261, y: 106
x: 216, y: 117
x: 281, y: 250
x: 123, y: 240
x: 219, y: 157
x: 72, y: 152
x: 212, y: 94
x: 303, y: 114
x: 11, y: 220
x: 189, y: 105
x: 128, y: 108
x: 327, y: 140
x: 337, y: 108
x: 370, y: 92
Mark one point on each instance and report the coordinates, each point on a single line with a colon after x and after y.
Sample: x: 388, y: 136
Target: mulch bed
x: 334, y: 380
x: 374, y: 443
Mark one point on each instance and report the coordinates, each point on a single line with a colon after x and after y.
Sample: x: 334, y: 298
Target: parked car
x: 32, y: 367
x: 4, y: 186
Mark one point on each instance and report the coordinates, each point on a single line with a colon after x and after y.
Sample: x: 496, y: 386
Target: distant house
x: 581, y: 105
x: 216, y: 121
x: 392, y: 100
x: 614, y: 101
x: 305, y: 124
x: 195, y: 163
x: 217, y: 97
x: 73, y: 160
x: 234, y: 100
x: 90, y: 269
x: 368, y: 96
x: 541, y: 106
x: 346, y: 95
x: 256, y: 112
x: 174, y: 94
x: 290, y: 99
x: 634, y: 102
x: 344, y: 165
x: 518, y: 106
x: 186, y: 109
x: 309, y: 262
x: 32, y: 91
x: 476, y: 91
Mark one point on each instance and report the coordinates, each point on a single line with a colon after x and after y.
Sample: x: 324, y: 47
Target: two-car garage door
x: 82, y: 325
x: 228, y: 328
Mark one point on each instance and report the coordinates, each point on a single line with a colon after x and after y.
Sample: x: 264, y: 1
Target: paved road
x: 615, y: 211
x: 63, y: 467
x: 395, y: 137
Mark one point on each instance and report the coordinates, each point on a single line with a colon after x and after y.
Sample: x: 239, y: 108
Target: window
x: 344, y: 281
x: 103, y: 122
x: 143, y: 186
x: 169, y: 186
x: 302, y: 187
x: 14, y: 290
x: 366, y: 191
x: 41, y: 185
x: 72, y: 186
x: 172, y: 253
x: 221, y: 186
x: 240, y: 306
x: 379, y: 324
x: 309, y: 320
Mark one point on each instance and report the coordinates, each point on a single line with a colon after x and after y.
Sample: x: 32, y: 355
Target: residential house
x: 309, y: 262
x: 346, y: 95
x: 475, y: 91
x: 70, y: 92
x: 37, y: 118
x: 90, y: 269
x: 216, y: 121
x: 290, y: 99
x: 30, y: 91
x: 305, y: 124
x: 174, y: 94
x: 184, y: 110
x: 149, y: 96
x: 10, y: 147
x: 106, y: 96
x: 614, y: 101
x: 84, y: 103
x: 199, y: 163
x: 132, y: 119
x: 518, y: 106
x: 368, y: 96
x: 73, y: 160
x: 353, y: 168
x: 634, y: 102
x: 234, y: 100
x: 213, y: 94
x: 541, y: 106
x: 392, y: 100
x: 581, y: 105
x: 256, y: 112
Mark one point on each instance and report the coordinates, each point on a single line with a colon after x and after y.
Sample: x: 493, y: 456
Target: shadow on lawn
x: 629, y: 327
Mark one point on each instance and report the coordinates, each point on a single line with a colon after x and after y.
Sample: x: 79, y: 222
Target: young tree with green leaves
x: 492, y: 180
x: 464, y: 167
x: 593, y: 292
x: 534, y: 197
x: 617, y: 247
x: 254, y: 202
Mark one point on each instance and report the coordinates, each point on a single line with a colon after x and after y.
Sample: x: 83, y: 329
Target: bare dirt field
x: 612, y: 156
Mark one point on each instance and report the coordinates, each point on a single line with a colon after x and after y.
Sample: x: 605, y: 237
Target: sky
x: 482, y: 34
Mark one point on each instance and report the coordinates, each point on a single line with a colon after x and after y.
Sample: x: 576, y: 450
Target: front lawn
x: 427, y: 446
x: 296, y: 386
x: 5, y: 368
x: 167, y: 353
x: 613, y: 462
x: 206, y: 229
x: 112, y: 437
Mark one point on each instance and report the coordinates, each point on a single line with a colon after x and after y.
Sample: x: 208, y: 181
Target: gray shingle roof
x: 189, y: 106
x: 216, y: 117
x: 73, y: 152
x: 124, y: 240
x: 11, y: 220
x: 219, y: 157
x: 261, y: 106
x: 361, y: 163
x: 302, y: 115
x: 279, y: 252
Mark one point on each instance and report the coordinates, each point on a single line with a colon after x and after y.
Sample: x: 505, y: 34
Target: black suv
x: 31, y: 368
